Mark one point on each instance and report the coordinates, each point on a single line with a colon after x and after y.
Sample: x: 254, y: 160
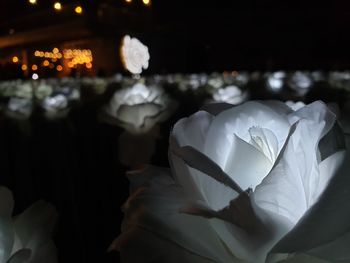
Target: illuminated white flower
x: 26, y: 237
x: 247, y: 184
x: 139, y: 108
x: 134, y: 55
x: 55, y: 106
x: 295, y: 105
x: 276, y: 80
x: 301, y: 82
x: 230, y: 94
x: 43, y: 90
x: 24, y: 89
x: 19, y: 108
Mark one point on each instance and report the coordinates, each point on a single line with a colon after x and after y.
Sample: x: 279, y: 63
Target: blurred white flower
x: 19, y: 108
x: 216, y: 81
x: 340, y: 79
x: 55, y: 106
x: 43, y: 90
x: 230, y: 94
x: 301, y: 82
x: 134, y: 55
x: 139, y: 108
x: 295, y: 105
x: 275, y: 81
x: 23, y: 89
x: 26, y: 238
x: 247, y: 184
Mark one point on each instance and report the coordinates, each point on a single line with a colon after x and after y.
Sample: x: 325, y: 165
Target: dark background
x: 196, y: 36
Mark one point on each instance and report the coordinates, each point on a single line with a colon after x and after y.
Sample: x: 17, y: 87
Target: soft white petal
x: 327, y: 219
x: 193, y: 130
x: 237, y: 121
x: 327, y: 168
x: 190, y: 131
x: 246, y: 165
x: 156, y: 209
x: 135, y: 115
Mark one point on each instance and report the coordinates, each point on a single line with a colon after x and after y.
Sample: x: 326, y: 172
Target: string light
x: 78, y: 9
x: 59, y: 68
x: 128, y: 1
x: 146, y: 2
x: 46, y: 63
x: 24, y: 67
x: 33, y: 2
x: 35, y: 76
x: 34, y: 67
x: 15, y: 59
x: 57, y: 6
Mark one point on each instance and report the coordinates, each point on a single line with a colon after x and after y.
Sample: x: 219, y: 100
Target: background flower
x: 230, y: 94
x: 139, y: 108
x: 134, y: 55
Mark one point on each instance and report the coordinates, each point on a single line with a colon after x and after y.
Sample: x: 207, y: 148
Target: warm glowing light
x: 59, y: 68
x: 35, y: 76
x: 57, y: 6
x: 24, y: 67
x: 54, y: 60
x: 33, y: 2
x: 146, y: 2
x: 42, y: 54
x: 46, y: 63
x: 88, y: 65
x: 128, y: 1
x: 78, y: 10
x: 52, y: 66
x: 15, y: 59
x: 34, y: 67
x: 78, y: 57
x: 37, y: 53
x: 55, y: 50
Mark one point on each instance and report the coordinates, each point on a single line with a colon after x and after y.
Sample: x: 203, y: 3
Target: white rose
x: 26, y: 238
x: 139, y: 108
x: 24, y: 89
x: 295, y: 105
x: 43, y: 90
x: 19, y: 108
x: 230, y: 94
x: 134, y: 54
x: 55, y: 106
x: 246, y: 185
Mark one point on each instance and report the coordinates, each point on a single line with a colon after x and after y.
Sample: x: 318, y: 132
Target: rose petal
x: 156, y: 209
x: 326, y: 220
